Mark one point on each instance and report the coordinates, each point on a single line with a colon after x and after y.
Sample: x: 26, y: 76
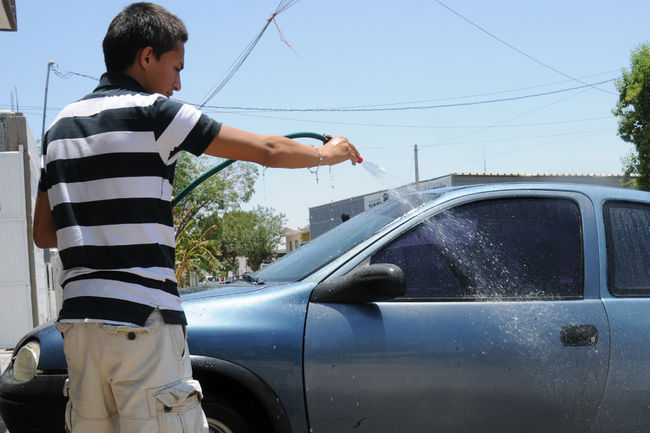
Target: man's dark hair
x: 138, y: 26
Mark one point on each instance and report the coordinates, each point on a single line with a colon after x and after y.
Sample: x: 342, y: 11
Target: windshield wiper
x: 249, y: 278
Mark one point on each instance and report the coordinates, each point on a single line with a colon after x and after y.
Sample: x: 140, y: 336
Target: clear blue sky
x: 410, y: 53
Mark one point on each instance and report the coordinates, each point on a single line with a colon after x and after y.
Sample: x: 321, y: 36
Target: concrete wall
x: 15, y: 285
x: 25, y: 298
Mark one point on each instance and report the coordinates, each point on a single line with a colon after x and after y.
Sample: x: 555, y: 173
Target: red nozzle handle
x: 359, y: 159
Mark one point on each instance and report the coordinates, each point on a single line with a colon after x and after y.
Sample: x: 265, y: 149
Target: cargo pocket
x: 178, y: 407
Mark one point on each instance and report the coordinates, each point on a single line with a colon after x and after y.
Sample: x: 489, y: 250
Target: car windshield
x: 322, y: 250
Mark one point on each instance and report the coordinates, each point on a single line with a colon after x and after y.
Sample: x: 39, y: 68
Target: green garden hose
x: 226, y: 163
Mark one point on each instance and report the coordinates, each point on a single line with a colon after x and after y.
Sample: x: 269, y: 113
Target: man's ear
x: 144, y: 57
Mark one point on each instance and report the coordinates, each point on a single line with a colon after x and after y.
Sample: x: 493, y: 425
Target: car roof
x: 596, y: 192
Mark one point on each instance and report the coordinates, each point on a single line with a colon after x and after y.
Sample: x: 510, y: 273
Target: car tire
x: 226, y: 417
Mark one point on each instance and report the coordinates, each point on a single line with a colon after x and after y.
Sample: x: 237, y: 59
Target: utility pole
x: 47, y: 83
x: 46, y: 251
x: 417, y: 170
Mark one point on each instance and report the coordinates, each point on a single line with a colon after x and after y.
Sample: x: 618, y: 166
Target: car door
x: 627, y: 301
x: 500, y: 330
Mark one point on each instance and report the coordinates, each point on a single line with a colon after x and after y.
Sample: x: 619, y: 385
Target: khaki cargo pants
x: 130, y: 380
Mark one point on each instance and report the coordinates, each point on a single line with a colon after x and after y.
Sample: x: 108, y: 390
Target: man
x: 105, y: 201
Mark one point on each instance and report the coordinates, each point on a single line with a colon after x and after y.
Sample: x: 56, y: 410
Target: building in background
x: 294, y: 238
x: 8, y: 21
x: 325, y: 217
x: 28, y: 294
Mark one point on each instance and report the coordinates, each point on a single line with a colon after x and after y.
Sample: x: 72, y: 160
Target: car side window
x: 627, y: 229
x: 511, y: 248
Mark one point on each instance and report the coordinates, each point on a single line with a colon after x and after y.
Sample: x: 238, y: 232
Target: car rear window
x: 627, y: 229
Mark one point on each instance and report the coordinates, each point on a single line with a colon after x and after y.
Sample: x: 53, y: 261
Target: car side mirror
x: 372, y: 283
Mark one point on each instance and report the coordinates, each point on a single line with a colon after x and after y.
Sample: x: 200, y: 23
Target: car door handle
x: 579, y: 335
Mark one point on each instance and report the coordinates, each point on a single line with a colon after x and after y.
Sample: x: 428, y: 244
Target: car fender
x: 208, y: 367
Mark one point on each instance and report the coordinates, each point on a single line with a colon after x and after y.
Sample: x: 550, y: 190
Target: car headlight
x: 26, y: 361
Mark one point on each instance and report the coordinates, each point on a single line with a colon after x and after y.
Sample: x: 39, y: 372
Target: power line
x: 514, y: 118
x: 518, y: 50
x: 374, y: 107
x: 498, y: 92
x: 417, y: 107
x: 67, y: 74
x: 411, y: 126
x: 499, y: 140
x: 518, y: 149
x: 37, y: 109
x: 282, y: 6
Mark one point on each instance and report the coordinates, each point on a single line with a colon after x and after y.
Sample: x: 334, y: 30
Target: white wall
x: 15, y: 292
x: 16, y: 245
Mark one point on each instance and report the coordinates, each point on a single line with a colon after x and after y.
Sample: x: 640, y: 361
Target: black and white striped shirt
x: 108, y: 170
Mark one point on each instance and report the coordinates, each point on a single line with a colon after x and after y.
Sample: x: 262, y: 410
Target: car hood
x: 216, y: 290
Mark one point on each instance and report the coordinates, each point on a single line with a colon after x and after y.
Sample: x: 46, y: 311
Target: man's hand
x: 337, y: 150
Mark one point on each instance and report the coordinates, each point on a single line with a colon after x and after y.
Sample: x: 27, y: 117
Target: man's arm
x: 277, y: 151
x: 44, y: 230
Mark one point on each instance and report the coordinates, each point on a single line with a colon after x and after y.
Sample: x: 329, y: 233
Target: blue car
x: 496, y: 308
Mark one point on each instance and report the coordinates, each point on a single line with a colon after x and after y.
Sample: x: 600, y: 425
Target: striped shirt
x: 108, y: 170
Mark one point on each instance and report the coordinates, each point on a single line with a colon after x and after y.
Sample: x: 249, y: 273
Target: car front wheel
x: 225, y: 417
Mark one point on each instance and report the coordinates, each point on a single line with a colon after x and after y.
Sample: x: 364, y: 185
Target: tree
x: 220, y: 193
x: 633, y: 110
x: 266, y: 230
x: 211, y: 230
x: 253, y: 235
x: 196, y: 253
x: 197, y: 249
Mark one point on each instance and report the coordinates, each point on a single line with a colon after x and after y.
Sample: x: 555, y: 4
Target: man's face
x: 164, y: 74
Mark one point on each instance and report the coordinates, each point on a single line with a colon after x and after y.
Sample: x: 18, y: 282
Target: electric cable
x: 67, y: 74
x: 519, y: 149
x: 498, y: 92
x: 518, y: 50
x: 512, y: 118
x: 409, y: 126
x: 416, y: 107
x: 282, y: 6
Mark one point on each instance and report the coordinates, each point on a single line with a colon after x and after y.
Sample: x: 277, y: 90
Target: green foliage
x: 220, y: 193
x: 211, y: 230
x: 633, y: 111
x: 253, y: 235
x: 196, y: 253
x: 266, y: 236
x: 630, y: 170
